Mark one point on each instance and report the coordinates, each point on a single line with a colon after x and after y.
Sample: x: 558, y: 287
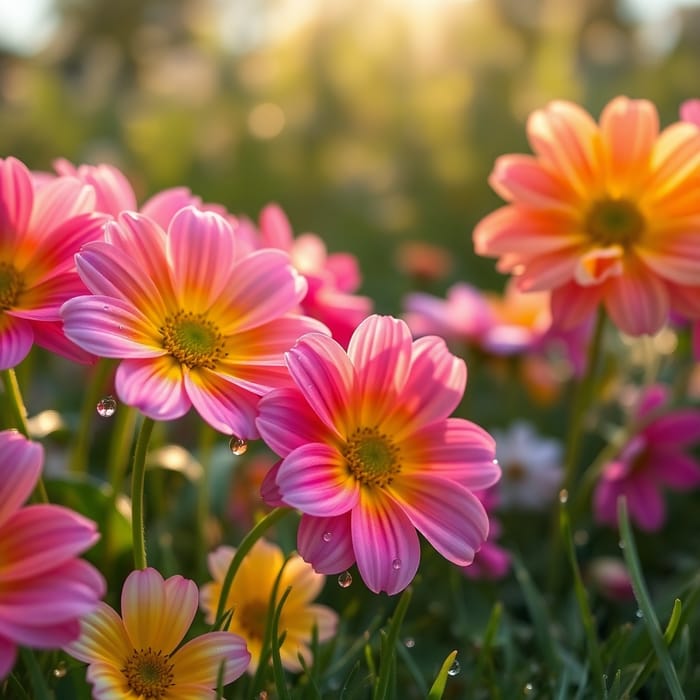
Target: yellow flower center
x: 252, y: 617
x: 11, y: 285
x: 149, y: 673
x: 614, y: 222
x: 372, y: 457
x: 192, y: 339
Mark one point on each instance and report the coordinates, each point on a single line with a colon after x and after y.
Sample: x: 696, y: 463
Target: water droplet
x: 396, y: 564
x: 60, y: 670
x: 496, y: 462
x: 105, y: 307
x: 621, y: 544
x: 454, y: 669
x: 639, y: 614
x: 528, y: 689
x: 345, y: 579
x: 107, y: 406
x: 563, y: 496
x: 262, y: 695
x: 327, y: 536
x: 409, y: 642
x: 238, y: 446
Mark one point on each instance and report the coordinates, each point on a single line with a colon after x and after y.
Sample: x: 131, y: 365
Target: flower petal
x: 58, y: 200
x: 198, y: 662
x: 163, y: 205
x: 16, y: 202
x: 102, y: 638
x: 573, y: 304
x: 8, y: 654
x: 677, y: 471
x: 109, y: 683
x: 645, y: 502
x: 678, y: 428
x: 21, y: 461
x: 16, y: 339
x: 327, y: 555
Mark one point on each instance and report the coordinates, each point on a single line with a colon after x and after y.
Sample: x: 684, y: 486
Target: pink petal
x: 200, y: 246
x: 314, y: 479
x: 677, y: 471
x: 605, y: 499
x: 43, y: 301
x: 678, y: 428
x: 690, y: 111
x: 51, y: 635
x: 8, y: 654
x: 16, y: 339
x: 50, y: 336
x: 573, y: 304
x: 269, y: 490
x: 652, y: 399
x: 381, y: 352
x: 225, y: 406
x: 102, y: 638
x: 16, y: 199
x: 324, y: 375
x: 386, y: 545
x: 155, y: 386
x: 331, y: 556
x: 447, y: 514
x: 21, y: 461
x: 110, y: 327
x: 677, y: 259
x: 645, y: 503
x: 163, y: 206
x: 275, y: 230
x: 286, y: 421
x: 58, y: 200
x: 198, y: 662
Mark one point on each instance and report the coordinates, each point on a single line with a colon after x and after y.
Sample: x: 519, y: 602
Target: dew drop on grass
x: 60, y: 670
x: 409, y: 642
x: 454, y: 669
x: 107, y: 406
x: 238, y: 446
x: 527, y: 690
x: 563, y: 496
x: 345, y: 579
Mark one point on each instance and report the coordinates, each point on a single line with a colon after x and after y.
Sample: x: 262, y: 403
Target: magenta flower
x: 41, y: 228
x: 195, y: 322
x: 44, y: 588
x: 655, y: 457
x: 370, y: 454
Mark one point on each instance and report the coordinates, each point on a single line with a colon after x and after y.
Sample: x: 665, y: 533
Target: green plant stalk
x: 645, y: 605
x: 243, y: 548
x: 388, y: 649
x: 138, y: 474
x: 438, y: 687
x: 41, y: 691
x: 18, y: 412
x: 277, y: 669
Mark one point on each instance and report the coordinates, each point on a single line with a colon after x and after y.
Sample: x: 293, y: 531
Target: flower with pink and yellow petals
x: 41, y: 228
x: 370, y: 454
x: 44, y: 588
x: 654, y: 458
x: 250, y: 596
x: 602, y: 214
x: 194, y: 322
x: 138, y: 655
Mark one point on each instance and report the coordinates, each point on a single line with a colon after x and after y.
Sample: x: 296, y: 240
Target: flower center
x: 514, y: 471
x: 149, y: 673
x: 11, y: 286
x: 614, y: 221
x: 372, y: 458
x: 192, y: 339
x: 252, y: 617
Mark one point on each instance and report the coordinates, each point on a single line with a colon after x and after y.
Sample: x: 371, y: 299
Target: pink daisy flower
x: 138, y: 655
x: 194, y: 322
x: 370, y: 454
x: 602, y: 214
x: 654, y: 458
x: 44, y: 588
x: 41, y: 228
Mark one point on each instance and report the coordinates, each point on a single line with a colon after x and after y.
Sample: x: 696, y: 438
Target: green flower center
x: 252, y: 617
x: 372, y: 458
x: 192, y: 339
x: 149, y: 673
x: 11, y: 285
x: 614, y: 222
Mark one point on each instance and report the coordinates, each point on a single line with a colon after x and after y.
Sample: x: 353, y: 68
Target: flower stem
x: 15, y: 403
x: 243, y: 548
x: 138, y: 474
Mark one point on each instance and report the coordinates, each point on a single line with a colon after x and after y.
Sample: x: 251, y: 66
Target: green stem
x: 18, y: 412
x: 138, y: 473
x: 243, y: 548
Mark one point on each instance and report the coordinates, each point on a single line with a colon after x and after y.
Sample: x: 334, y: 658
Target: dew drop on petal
x: 107, y: 406
x: 105, y: 307
x: 238, y: 446
x: 327, y: 536
x: 454, y: 669
x: 60, y: 670
x: 563, y: 496
x: 496, y: 462
x: 345, y: 579
x: 396, y: 564
x: 409, y: 642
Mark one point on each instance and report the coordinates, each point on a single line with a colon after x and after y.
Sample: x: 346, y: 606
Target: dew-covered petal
x: 447, y: 514
x: 198, y: 662
x: 314, y: 479
x: 102, y: 638
x: 16, y: 339
x: 327, y: 554
x: 20, y: 466
x: 154, y: 386
x: 386, y: 545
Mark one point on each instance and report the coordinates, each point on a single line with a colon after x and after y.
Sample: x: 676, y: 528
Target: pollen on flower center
x: 11, y: 285
x: 192, y: 339
x: 252, y: 617
x: 372, y: 457
x: 614, y: 221
x: 149, y: 673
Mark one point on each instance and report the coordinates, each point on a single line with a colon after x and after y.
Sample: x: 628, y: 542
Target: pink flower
x: 370, y: 454
x: 139, y: 655
x: 41, y: 228
x: 655, y: 457
x: 44, y: 588
x: 194, y: 322
x: 601, y: 214
x: 332, y: 279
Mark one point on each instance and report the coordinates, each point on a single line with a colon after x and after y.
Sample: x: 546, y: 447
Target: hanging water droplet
x: 238, y: 446
x: 563, y: 496
x: 327, y: 536
x: 60, y: 670
x: 409, y: 642
x: 639, y: 614
x: 396, y: 564
x: 496, y: 462
x: 345, y: 579
x: 621, y: 544
x: 107, y: 406
x: 454, y: 669
x: 528, y: 688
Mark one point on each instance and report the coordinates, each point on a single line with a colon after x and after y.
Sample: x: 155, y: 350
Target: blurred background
x: 374, y: 123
